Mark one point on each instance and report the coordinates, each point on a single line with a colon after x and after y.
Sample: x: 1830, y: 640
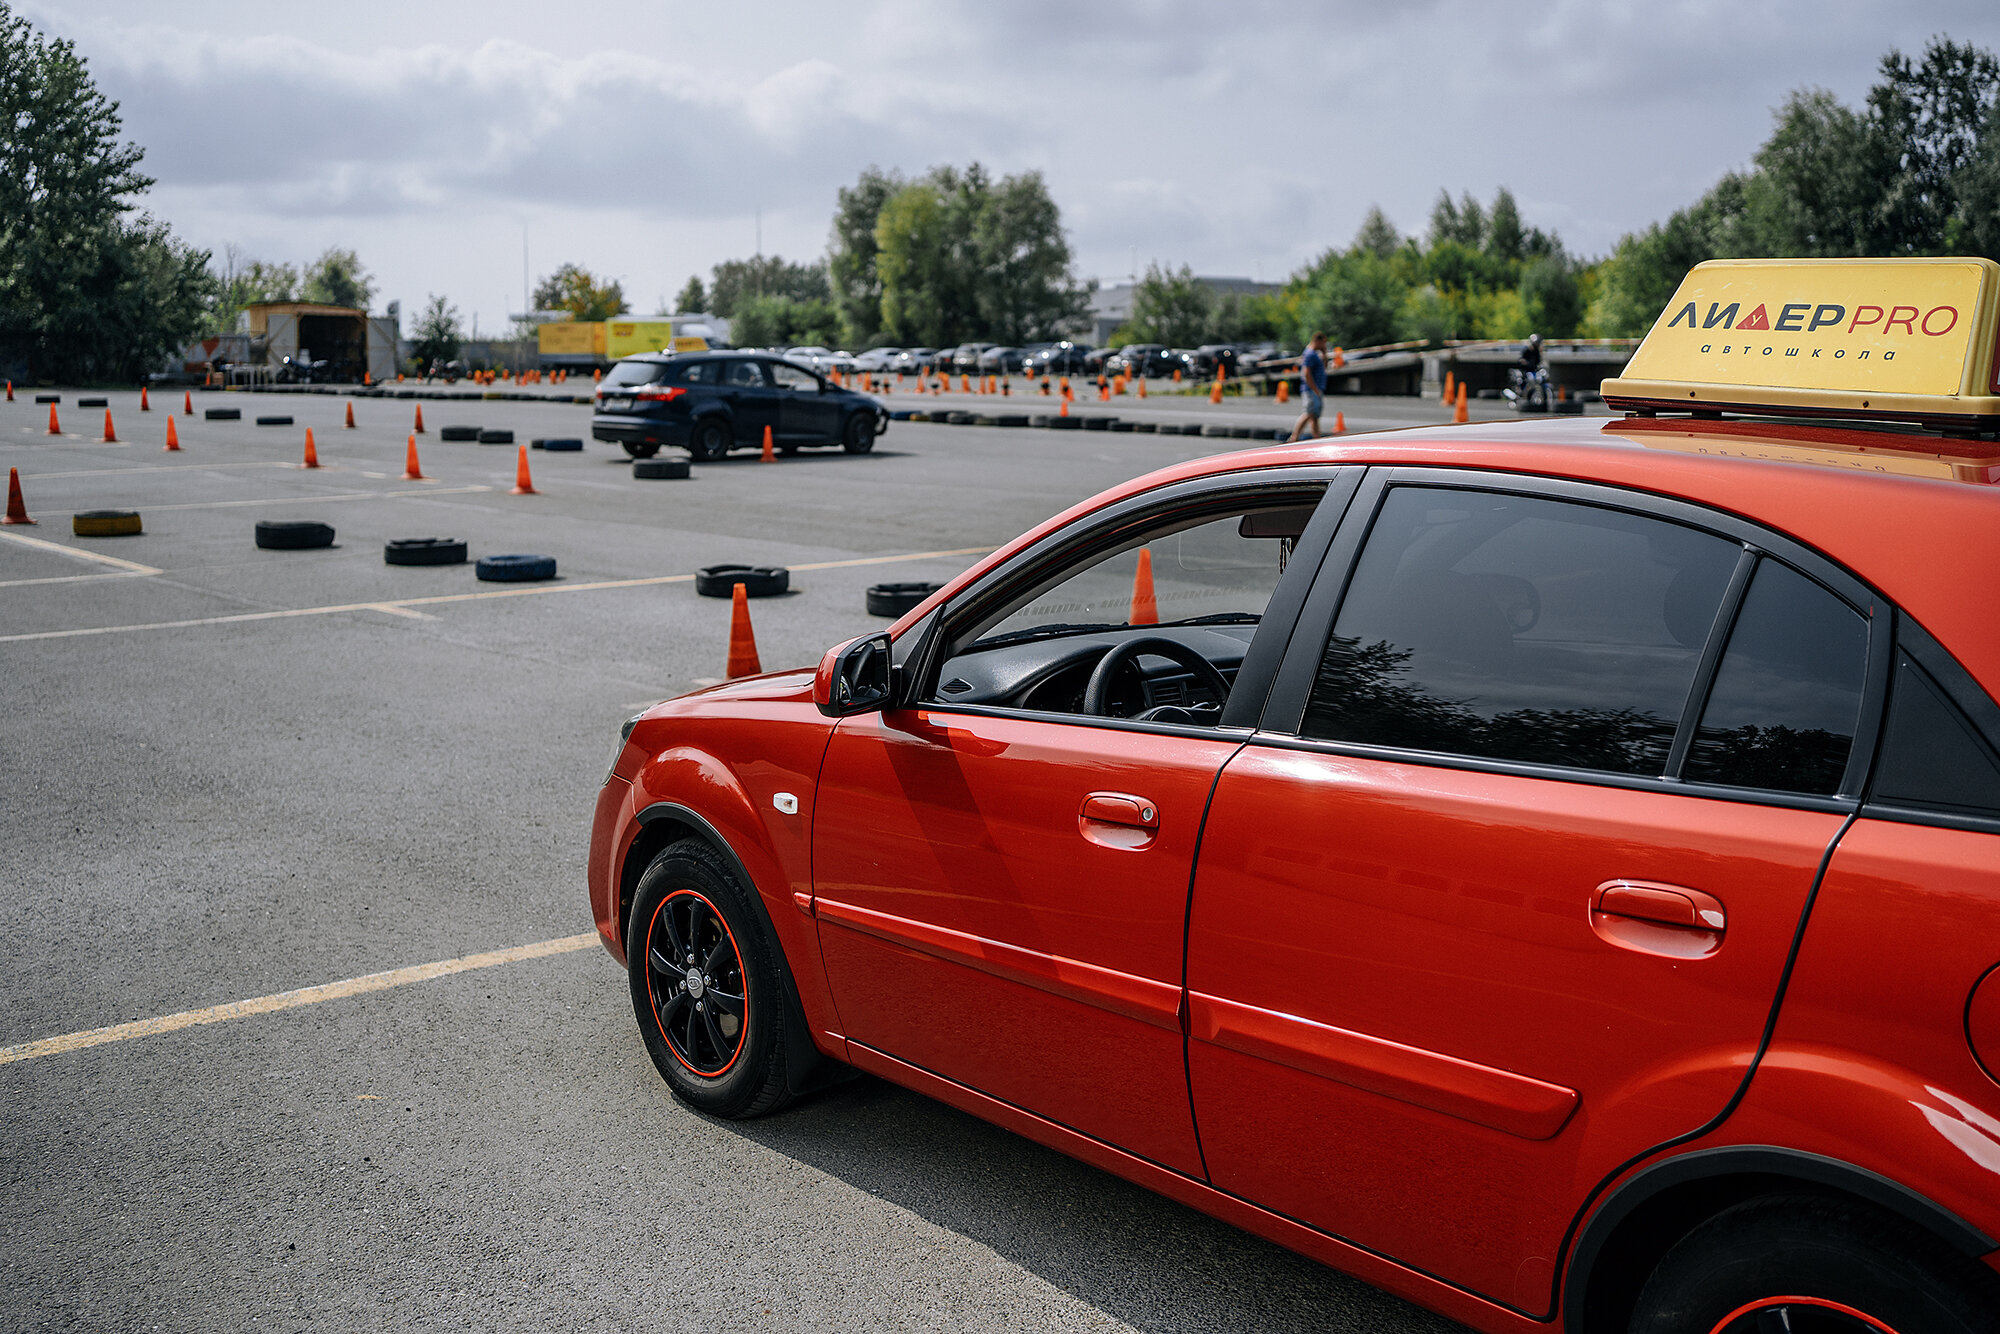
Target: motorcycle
x: 1529, y: 390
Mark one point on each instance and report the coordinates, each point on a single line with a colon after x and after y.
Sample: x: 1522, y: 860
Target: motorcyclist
x: 1531, y: 355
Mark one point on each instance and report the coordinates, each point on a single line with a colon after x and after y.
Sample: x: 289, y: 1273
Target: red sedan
x: 1550, y: 871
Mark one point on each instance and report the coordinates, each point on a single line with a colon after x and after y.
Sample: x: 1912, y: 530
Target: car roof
x: 1904, y: 512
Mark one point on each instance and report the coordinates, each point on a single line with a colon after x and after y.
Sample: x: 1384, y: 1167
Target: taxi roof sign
x: 1908, y: 340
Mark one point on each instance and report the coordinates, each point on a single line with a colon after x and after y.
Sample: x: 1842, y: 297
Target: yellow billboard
x: 571, y: 338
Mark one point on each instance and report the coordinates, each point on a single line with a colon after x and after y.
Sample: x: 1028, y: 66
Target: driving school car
x: 1549, y: 870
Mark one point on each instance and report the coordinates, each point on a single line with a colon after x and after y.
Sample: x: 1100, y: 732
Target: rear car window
x: 627, y: 373
x: 1787, y: 696
x: 1520, y: 628
x: 1932, y: 757
x: 746, y: 374
x: 694, y: 372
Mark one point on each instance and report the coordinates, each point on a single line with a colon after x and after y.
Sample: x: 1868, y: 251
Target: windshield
x: 627, y: 373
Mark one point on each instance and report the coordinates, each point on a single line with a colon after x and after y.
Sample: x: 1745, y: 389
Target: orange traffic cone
x: 367, y: 379
x: 187, y: 402
x: 55, y: 425
x: 524, y: 482
x: 770, y: 455
x: 1284, y: 391
x: 1177, y: 376
x: 1142, y: 389
x: 1340, y: 423
x: 1459, y: 416
x: 1145, y: 609
x: 17, y: 508
x: 411, y: 472
x: 173, y: 437
x: 350, y: 416
x: 1447, y: 388
x: 10, y: 391
x: 312, y: 455
x: 110, y: 433
x: 742, y: 640
x: 1562, y: 393
x: 420, y: 419
x: 145, y: 404
x: 1215, y: 390
x: 1065, y: 409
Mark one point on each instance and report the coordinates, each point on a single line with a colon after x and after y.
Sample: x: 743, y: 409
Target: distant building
x: 1111, y: 308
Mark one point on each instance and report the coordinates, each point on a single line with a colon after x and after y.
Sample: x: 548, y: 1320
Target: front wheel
x: 711, y: 440
x: 1814, y: 1266
x: 858, y: 436
x: 707, y: 985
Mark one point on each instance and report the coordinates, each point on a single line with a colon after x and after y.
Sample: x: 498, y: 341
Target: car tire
x: 698, y: 958
x: 496, y: 437
x: 105, y: 523
x: 711, y: 440
x: 515, y: 569
x: 424, y: 551
x: 759, y: 581
x: 1835, y: 1259
x: 270, y: 421
x: 671, y: 470
x: 560, y: 444
x: 894, y: 599
x: 458, y: 433
x: 222, y: 414
x: 293, y: 534
x: 639, y: 451
x: 858, y: 435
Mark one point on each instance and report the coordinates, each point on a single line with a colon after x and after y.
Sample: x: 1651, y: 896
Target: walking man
x: 1312, y: 387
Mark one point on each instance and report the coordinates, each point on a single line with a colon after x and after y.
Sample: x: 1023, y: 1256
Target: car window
x: 1520, y: 628
x: 1782, y: 712
x: 1932, y: 757
x: 795, y: 378
x: 627, y: 373
x: 745, y: 374
x: 697, y: 372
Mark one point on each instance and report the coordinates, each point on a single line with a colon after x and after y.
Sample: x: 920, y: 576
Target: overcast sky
x: 642, y: 140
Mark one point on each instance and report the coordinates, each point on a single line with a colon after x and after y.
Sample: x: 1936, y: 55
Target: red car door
x: 1484, y: 913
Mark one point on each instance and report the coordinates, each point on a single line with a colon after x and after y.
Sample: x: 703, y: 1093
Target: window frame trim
x: 1291, y: 688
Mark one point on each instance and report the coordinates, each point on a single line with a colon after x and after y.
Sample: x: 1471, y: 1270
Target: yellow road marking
x: 289, y: 1000
x: 395, y: 605
x: 81, y: 553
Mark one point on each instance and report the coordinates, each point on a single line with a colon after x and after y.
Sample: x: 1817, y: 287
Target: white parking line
x: 288, y: 1000
x: 310, y: 499
x: 159, y: 467
x: 81, y: 553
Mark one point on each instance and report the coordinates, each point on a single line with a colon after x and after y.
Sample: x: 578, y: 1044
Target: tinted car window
x: 794, y: 378
x: 1782, y: 712
x: 697, y: 372
x: 1518, y: 628
x: 745, y: 374
x: 636, y: 372
x: 1932, y: 757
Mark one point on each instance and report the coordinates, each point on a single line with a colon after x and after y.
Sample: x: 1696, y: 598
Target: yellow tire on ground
x: 105, y: 523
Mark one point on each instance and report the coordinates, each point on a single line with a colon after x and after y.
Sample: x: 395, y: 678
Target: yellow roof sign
x: 1887, y: 339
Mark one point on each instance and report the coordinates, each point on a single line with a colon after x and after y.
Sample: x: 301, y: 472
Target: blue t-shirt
x: 1314, y: 366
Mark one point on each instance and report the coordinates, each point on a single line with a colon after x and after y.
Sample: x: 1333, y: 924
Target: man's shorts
x: 1313, y: 403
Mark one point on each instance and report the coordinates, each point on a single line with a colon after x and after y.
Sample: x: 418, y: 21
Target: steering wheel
x: 1097, y: 695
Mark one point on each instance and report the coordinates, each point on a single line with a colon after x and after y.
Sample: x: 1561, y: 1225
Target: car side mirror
x: 854, y: 677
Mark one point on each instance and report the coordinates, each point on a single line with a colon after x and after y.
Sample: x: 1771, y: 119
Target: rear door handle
x: 1120, y: 808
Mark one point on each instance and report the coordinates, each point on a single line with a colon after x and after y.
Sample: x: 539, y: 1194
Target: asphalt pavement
x: 233, y: 773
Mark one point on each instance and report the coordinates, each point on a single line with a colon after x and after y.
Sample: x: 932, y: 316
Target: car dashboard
x: 1049, y: 675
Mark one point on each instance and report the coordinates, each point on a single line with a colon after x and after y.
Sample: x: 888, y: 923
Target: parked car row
x: 1056, y: 358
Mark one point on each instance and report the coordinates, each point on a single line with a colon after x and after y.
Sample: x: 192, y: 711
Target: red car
x: 1548, y: 870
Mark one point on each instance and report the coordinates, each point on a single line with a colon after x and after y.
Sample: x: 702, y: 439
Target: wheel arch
x: 1642, y: 1219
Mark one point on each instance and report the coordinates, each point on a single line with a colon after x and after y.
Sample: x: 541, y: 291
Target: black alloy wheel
x: 694, y: 978
x: 709, y: 986
x: 1815, y: 1265
x: 711, y: 440
x: 858, y: 436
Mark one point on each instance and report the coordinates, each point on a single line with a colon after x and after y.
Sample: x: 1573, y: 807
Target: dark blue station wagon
x: 711, y: 402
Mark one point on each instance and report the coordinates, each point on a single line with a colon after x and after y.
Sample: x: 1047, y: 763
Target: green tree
x: 734, y: 281
x: 1357, y: 298
x: 1463, y: 222
x: 86, y: 291
x: 337, y: 278
x: 1172, y: 306
x: 437, y: 334
x: 1976, y: 228
x: 1931, y: 119
x: 1504, y: 236
x: 693, y: 299
x: 1551, y: 299
x: 241, y: 283
x: 783, y: 321
x: 583, y: 294
x: 1377, y: 236
x: 851, y: 254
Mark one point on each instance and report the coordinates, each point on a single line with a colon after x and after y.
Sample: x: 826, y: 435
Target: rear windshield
x: 637, y: 372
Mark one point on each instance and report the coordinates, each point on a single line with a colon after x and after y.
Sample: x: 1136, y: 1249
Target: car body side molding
x: 1150, y: 1002
x: 1499, y: 1099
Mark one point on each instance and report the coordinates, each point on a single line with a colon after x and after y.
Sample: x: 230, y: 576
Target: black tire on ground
x: 1098, y: 423
x: 497, y: 438
x: 566, y: 445
x: 895, y: 599
x: 711, y: 440
x: 1011, y: 419
x: 660, y: 469
x: 458, y: 433
x: 1060, y: 423
x: 222, y: 414
x: 858, y: 435
x: 93, y: 402
x: 424, y: 551
x: 293, y: 534
x: 105, y: 523
x: 515, y: 569
x: 759, y: 581
x: 1145, y: 428
x: 1211, y: 430
x: 48, y: 398
x: 708, y: 986
x: 1788, y: 1255
x: 960, y: 418
x: 274, y: 421
x: 632, y: 447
